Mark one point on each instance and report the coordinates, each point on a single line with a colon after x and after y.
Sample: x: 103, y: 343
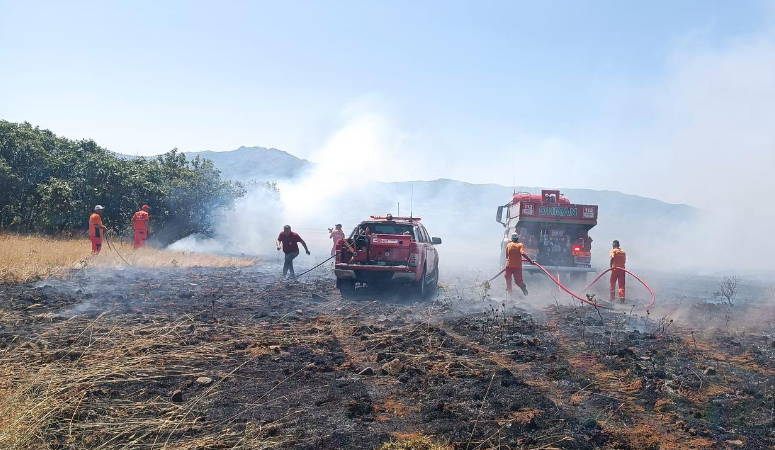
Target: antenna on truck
x: 411, y: 198
x: 514, y: 173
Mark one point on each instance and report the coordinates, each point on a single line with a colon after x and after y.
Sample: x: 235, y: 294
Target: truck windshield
x: 384, y: 228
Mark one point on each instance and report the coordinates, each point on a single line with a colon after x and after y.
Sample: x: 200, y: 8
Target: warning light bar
x: 390, y: 217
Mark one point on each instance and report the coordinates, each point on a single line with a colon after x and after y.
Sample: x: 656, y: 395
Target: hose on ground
x: 310, y: 270
x: 117, y: 252
x: 584, y: 300
x: 651, y: 291
x: 546, y: 272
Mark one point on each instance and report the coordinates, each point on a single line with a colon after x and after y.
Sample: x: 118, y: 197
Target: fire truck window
x: 425, y: 234
x: 356, y: 232
x: 387, y: 228
x: 419, y: 235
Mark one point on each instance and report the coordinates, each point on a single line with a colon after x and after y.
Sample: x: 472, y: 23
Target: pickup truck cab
x: 386, y: 250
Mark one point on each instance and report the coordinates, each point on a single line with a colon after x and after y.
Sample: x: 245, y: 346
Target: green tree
x: 50, y: 184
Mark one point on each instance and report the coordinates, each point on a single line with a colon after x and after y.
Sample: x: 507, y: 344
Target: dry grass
x: 27, y: 258
x: 414, y: 442
x: 57, y: 395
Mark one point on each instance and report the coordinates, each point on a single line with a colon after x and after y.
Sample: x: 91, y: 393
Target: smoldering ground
x: 237, y: 358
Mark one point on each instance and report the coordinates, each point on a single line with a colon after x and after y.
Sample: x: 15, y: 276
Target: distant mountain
x: 249, y: 163
x: 255, y: 163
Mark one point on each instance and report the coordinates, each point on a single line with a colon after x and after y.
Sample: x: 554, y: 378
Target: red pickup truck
x: 387, y: 250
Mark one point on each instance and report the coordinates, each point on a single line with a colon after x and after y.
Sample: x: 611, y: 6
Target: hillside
x: 255, y: 163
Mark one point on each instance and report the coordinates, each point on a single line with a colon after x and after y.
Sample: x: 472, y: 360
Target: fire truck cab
x: 554, y: 230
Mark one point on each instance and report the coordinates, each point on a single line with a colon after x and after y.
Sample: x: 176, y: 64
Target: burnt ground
x: 236, y: 358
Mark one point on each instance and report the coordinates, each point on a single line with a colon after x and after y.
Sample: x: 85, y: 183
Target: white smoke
x: 713, y: 146
x: 345, y: 162
x: 250, y: 229
x: 703, y: 136
x: 334, y: 190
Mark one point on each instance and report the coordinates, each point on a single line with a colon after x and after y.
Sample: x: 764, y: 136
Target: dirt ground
x: 237, y: 358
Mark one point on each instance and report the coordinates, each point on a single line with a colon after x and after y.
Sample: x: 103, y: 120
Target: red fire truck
x: 554, y: 230
x: 387, y: 250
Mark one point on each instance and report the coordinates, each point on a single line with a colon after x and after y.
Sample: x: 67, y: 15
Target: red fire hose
x: 584, y: 300
x: 653, y: 295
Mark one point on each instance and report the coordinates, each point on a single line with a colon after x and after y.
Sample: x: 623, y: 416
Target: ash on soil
x: 293, y: 365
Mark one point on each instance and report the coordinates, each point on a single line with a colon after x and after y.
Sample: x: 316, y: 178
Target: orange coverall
x: 140, y: 223
x: 514, y: 252
x: 618, y: 259
x: 95, y: 232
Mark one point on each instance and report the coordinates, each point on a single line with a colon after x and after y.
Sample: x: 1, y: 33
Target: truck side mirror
x: 436, y: 241
x: 498, y: 216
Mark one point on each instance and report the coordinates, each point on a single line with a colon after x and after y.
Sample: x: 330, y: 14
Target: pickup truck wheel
x: 346, y: 287
x: 434, y: 284
x: 421, y: 286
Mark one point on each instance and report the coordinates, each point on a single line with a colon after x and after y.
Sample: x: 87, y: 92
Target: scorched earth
x: 237, y: 358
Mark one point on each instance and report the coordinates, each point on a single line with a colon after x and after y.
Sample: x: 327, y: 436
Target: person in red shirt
x: 290, y: 246
x: 618, y: 260
x: 141, y: 222
x: 96, y: 229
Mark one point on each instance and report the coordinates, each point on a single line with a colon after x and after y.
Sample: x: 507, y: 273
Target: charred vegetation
x: 233, y: 358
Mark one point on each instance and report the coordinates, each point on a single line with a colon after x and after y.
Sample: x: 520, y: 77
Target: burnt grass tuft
x: 226, y: 358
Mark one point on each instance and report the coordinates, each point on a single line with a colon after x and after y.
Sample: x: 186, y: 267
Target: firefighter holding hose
x: 618, y: 260
x: 141, y: 225
x: 515, y: 250
x: 96, y: 229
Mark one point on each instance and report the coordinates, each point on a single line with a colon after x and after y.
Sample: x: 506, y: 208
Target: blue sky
x: 573, y: 94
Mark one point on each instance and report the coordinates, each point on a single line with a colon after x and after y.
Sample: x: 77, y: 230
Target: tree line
x: 50, y: 185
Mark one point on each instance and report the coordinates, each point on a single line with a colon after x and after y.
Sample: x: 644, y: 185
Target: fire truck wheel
x: 346, y: 287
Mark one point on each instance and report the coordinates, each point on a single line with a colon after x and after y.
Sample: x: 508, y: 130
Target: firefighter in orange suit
x: 515, y: 250
x: 618, y: 260
x: 96, y: 229
x: 141, y: 225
